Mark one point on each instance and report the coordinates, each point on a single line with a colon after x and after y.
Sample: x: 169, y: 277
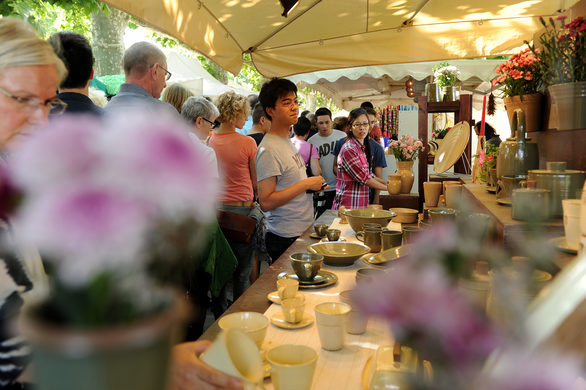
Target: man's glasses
x: 30, y: 104
x: 167, y: 73
x: 359, y: 125
x: 214, y: 124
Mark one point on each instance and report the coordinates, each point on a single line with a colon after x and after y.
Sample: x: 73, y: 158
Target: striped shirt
x: 353, y: 173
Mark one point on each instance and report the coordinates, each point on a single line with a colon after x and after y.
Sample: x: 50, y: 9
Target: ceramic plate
x: 274, y: 297
x: 322, y: 279
x: 387, y: 256
x: 561, y: 244
x: 452, y: 147
x: 279, y: 321
x: 314, y: 235
x: 325, y: 239
x: 366, y: 373
x: 492, y: 190
x: 504, y: 202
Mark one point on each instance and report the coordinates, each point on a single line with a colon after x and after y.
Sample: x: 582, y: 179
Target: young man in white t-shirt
x: 324, y: 141
x: 282, y: 182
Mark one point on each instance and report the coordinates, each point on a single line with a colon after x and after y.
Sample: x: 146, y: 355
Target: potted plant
x: 115, y: 208
x: 405, y: 151
x: 486, y: 162
x: 447, y: 77
x: 563, y: 53
x: 520, y: 78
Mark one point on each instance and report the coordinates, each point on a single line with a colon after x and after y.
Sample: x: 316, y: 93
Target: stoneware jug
x: 563, y: 183
x: 394, y: 184
x: 517, y: 155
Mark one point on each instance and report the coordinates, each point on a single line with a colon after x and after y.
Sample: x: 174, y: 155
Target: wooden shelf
x: 433, y: 107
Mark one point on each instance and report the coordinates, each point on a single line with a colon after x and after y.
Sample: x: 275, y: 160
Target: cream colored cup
x: 235, y: 353
x: 453, y: 195
x: 571, y: 209
x: 356, y: 321
x: 293, y: 309
x: 447, y: 183
x: 431, y: 192
x: 254, y: 324
x: 292, y: 366
x: 287, y: 288
x: 331, y: 318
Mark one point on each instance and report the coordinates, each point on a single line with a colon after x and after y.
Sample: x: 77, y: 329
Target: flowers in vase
x: 521, y: 74
x: 487, y: 159
x: 405, y: 149
x: 446, y: 75
x: 563, y: 50
x: 113, y: 207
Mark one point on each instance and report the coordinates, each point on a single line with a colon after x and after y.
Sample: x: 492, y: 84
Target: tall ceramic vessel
x: 405, y: 169
x: 532, y: 106
x: 394, y: 184
x: 517, y: 155
x: 569, y: 104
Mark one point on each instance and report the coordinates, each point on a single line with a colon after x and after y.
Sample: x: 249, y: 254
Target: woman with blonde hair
x: 176, y: 95
x: 236, y: 161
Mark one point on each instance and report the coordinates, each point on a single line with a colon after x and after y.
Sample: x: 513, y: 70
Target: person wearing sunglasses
x: 145, y: 67
x: 355, y: 174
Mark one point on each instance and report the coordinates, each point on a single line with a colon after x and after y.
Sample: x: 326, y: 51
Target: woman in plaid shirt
x: 355, y: 165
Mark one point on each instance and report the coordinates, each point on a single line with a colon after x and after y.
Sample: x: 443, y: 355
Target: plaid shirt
x: 353, y: 173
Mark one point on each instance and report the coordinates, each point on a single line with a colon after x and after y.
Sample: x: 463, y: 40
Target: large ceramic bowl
x: 339, y: 253
x: 405, y: 215
x: 357, y: 217
x: 253, y: 323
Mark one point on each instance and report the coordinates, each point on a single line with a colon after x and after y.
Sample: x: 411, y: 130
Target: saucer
x: 562, y: 245
x: 492, y: 190
x: 274, y: 297
x: 315, y: 235
x: 322, y: 279
x: 279, y: 321
x: 325, y: 239
x: 504, y: 202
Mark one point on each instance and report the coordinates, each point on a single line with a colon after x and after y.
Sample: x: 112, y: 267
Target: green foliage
x: 320, y: 99
x: 162, y: 40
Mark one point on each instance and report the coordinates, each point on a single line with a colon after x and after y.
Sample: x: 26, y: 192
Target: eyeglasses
x: 167, y: 73
x: 359, y: 125
x: 31, y: 104
x: 214, y: 124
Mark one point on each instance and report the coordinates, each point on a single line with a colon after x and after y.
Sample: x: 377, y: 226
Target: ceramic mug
x: 331, y: 318
x: 410, y: 233
x: 571, y: 208
x: 234, y: 353
x: 293, y: 309
x: 391, y: 239
x: 431, y: 192
x: 371, y: 238
x: 356, y: 321
x: 531, y: 204
x: 292, y: 366
x: 287, y: 288
x: 333, y: 234
x: 442, y: 215
x: 446, y: 183
x: 505, y: 186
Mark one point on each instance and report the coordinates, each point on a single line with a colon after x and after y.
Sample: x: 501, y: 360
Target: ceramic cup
x: 287, y: 288
x: 371, y: 237
x: 331, y: 318
x: 254, y: 324
x: 446, y: 183
x: 356, y: 321
x: 432, y: 191
x: 292, y: 366
x: 491, y: 177
x: 453, y: 195
x: 293, y: 309
x: 391, y: 239
x: 442, y: 215
x: 320, y: 229
x: 333, y: 234
x: 306, y: 265
x: 571, y: 208
x: 505, y: 186
x: 531, y: 204
x: 234, y: 353
x: 410, y: 233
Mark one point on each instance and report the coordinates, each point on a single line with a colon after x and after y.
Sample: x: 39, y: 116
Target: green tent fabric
x: 112, y: 83
x: 95, y: 83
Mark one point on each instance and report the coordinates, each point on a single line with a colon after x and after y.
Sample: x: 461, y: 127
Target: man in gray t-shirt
x: 282, y: 182
x: 325, y: 141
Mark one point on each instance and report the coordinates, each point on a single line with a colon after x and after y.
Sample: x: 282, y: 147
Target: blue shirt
x: 378, y: 153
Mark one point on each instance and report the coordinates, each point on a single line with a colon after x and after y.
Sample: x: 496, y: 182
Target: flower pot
x: 450, y: 94
x: 404, y: 168
x: 568, y: 101
x: 532, y: 106
x: 133, y: 356
x: 394, y: 184
x: 432, y: 91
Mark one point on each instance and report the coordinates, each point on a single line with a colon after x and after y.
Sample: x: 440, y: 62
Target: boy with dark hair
x: 260, y: 124
x: 76, y: 53
x: 282, y: 182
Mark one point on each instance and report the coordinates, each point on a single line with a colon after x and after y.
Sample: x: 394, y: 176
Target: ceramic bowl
x: 366, y: 274
x: 333, y: 234
x: 306, y: 265
x: 320, y: 229
x: 439, y: 215
x: 339, y: 253
x: 390, y: 256
x: 405, y: 215
x: 357, y: 217
x: 253, y: 323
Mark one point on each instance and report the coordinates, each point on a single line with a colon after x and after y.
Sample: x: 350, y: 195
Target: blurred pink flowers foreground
x: 94, y: 191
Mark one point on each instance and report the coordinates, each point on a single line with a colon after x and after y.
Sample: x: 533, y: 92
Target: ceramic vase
x: 432, y: 92
x: 450, y: 94
x: 394, y: 184
x: 532, y: 106
x: 431, y: 192
x: 405, y: 169
x: 568, y: 103
x: 133, y: 356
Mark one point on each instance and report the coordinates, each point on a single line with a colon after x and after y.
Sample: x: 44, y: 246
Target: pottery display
x: 306, y: 265
x: 358, y: 217
x: 394, y: 184
x: 432, y: 91
x: 431, y: 192
x: 453, y: 196
x: 572, y: 221
x: 563, y: 184
x: 405, y: 215
x: 505, y: 186
x: 531, y: 204
x: 405, y: 170
x: 491, y: 177
x: 517, y: 155
x: 339, y: 253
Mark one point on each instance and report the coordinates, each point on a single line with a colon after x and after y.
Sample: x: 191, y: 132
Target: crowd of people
x: 285, y: 172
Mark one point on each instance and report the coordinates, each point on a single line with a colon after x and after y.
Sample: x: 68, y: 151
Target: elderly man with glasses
x: 145, y: 67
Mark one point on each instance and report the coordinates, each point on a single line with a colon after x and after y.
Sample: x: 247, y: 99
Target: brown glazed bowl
x: 357, y: 217
x: 339, y: 253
